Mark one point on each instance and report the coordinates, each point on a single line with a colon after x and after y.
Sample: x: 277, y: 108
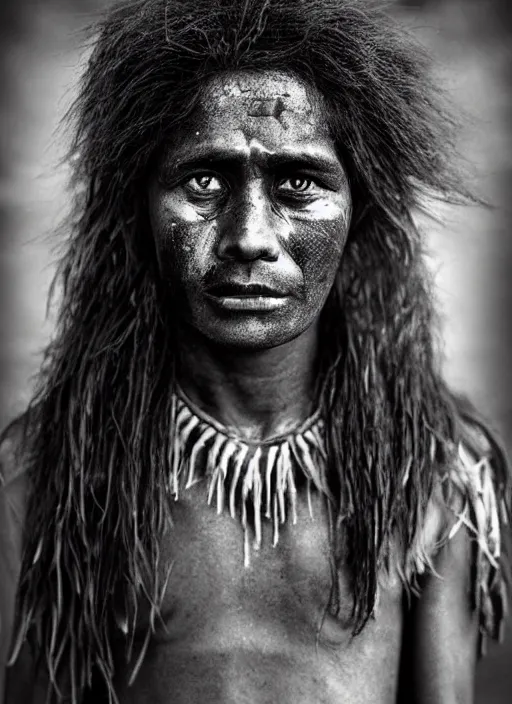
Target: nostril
x: 245, y: 249
x: 248, y: 244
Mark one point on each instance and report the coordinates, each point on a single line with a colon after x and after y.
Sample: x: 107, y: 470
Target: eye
x: 295, y: 185
x: 204, y: 184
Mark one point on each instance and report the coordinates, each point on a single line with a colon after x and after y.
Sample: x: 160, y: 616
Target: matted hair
x: 99, y: 424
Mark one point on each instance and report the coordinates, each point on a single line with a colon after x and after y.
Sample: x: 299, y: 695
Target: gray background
x: 471, y: 249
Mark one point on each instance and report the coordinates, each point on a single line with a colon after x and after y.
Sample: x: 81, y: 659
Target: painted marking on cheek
x: 317, y: 248
x: 267, y: 107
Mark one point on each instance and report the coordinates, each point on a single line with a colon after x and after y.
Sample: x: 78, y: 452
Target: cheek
x: 183, y: 251
x: 317, y: 249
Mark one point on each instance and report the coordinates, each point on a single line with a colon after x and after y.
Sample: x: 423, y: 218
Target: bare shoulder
x: 12, y: 450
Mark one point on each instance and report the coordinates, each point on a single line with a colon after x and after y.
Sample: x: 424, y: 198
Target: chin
x: 252, y: 336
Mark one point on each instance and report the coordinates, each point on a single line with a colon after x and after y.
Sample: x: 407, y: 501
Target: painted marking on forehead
x: 256, y: 152
x: 266, y: 107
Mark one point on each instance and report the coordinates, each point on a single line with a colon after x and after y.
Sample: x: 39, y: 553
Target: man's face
x: 250, y: 208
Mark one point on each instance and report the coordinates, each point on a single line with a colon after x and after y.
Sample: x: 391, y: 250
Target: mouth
x: 248, y: 297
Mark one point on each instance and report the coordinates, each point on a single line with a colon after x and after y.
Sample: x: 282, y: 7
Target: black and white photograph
x: 255, y: 369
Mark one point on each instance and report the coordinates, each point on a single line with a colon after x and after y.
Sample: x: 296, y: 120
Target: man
x: 243, y: 477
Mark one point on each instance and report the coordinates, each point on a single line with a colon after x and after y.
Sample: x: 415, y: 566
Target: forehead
x: 263, y: 95
x: 272, y: 111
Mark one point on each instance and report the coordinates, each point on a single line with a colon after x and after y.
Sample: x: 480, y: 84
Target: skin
x: 262, y: 634
x: 240, y: 197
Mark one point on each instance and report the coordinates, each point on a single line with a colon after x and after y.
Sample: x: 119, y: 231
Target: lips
x: 234, y: 289
x: 246, y: 298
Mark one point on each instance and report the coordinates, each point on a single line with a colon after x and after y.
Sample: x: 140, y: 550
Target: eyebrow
x: 229, y: 159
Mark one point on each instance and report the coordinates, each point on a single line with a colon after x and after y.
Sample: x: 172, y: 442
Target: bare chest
x: 262, y: 631
x: 216, y: 594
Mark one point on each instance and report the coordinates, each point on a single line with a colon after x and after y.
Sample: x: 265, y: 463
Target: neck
x: 261, y: 393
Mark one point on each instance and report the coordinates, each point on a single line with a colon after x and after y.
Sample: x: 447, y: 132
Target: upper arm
x: 442, y: 631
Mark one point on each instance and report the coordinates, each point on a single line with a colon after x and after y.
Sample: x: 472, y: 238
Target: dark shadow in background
x: 494, y: 679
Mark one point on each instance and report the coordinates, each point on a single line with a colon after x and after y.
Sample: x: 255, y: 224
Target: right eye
x: 204, y: 184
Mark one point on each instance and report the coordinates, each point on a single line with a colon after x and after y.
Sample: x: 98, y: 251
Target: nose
x: 252, y: 228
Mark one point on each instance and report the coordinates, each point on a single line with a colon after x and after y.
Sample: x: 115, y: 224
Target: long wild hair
x: 98, y: 427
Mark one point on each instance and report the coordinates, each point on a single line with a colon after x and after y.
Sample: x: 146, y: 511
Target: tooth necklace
x: 254, y: 481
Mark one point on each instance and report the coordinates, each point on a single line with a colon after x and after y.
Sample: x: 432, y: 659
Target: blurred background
x: 41, y: 52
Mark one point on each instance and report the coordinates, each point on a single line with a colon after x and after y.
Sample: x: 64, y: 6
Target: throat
x: 260, y: 393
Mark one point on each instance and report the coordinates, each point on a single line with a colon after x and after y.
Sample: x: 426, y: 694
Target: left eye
x: 297, y: 184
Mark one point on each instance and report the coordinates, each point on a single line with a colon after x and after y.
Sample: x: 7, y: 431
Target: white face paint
x: 250, y: 209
